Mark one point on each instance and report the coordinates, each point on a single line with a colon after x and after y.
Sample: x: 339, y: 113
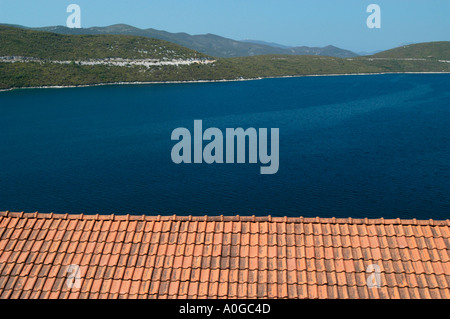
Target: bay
x: 350, y: 146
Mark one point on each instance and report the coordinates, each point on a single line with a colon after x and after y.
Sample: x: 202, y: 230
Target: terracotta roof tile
x: 221, y: 257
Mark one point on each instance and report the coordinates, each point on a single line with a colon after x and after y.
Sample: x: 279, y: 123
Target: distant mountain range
x: 209, y: 44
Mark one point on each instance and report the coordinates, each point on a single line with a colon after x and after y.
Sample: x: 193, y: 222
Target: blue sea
x: 350, y: 146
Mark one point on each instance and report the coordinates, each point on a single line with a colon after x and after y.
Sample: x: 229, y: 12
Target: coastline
x: 209, y: 81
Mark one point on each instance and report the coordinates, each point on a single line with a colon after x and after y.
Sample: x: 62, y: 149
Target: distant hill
x: 325, y: 51
x: 427, y: 50
x: 270, y: 44
x: 365, y: 53
x: 208, y: 44
x: 304, y: 50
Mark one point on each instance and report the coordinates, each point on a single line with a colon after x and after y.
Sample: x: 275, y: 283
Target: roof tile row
x: 221, y: 257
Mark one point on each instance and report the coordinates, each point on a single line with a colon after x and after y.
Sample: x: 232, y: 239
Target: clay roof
x: 221, y: 257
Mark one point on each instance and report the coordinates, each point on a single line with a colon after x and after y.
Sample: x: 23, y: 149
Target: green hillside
x: 61, y: 60
x: 46, y: 45
x: 428, y: 50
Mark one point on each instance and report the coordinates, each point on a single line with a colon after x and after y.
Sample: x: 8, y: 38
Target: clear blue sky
x: 290, y: 22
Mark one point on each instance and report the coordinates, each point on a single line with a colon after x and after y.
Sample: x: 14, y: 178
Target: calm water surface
x: 350, y: 146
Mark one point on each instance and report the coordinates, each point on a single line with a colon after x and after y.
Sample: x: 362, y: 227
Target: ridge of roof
x: 236, y: 218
